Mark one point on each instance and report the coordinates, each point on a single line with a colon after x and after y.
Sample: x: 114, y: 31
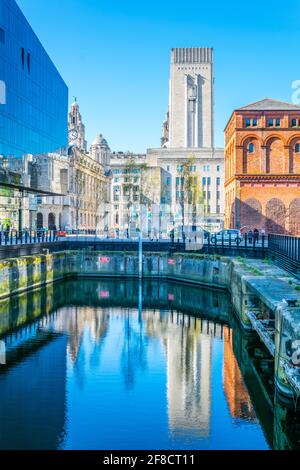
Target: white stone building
x: 80, y: 179
x: 51, y: 172
x: 125, y: 189
x: 138, y: 191
x: 207, y: 167
x: 188, y: 135
x: 100, y: 151
x: 191, y: 98
x: 76, y: 128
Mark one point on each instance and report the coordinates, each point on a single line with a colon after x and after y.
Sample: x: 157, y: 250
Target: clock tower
x: 76, y: 128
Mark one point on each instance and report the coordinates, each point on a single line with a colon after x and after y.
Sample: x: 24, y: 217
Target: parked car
x: 227, y: 235
x: 61, y: 233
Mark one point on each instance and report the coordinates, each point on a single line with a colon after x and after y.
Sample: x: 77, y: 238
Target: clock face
x: 73, y: 134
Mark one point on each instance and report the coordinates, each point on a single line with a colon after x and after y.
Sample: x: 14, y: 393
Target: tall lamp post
x: 21, y: 194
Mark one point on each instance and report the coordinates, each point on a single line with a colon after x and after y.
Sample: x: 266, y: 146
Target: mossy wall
x: 18, y: 275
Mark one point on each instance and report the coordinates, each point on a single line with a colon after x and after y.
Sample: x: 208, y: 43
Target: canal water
x: 114, y: 365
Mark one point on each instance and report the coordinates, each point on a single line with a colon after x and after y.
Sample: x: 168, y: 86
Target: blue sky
x: 114, y: 55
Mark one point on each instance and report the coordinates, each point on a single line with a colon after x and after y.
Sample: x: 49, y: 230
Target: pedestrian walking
x: 250, y: 236
x: 172, y: 236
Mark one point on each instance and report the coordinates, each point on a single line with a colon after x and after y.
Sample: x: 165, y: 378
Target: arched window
x: 39, y: 220
x: 251, y: 148
x: 51, y: 221
x: 297, y: 148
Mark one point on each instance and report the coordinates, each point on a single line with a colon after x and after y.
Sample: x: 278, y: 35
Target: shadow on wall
x: 278, y: 217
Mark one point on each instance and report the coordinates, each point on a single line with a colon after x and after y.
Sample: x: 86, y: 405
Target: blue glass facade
x: 33, y: 96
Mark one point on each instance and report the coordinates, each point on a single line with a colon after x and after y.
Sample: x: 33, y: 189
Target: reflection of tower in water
x: 237, y: 396
x: 188, y: 344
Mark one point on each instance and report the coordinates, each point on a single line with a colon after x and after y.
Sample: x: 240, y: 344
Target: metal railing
x: 285, y: 250
x: 232, y: 241
x: 25, y: 237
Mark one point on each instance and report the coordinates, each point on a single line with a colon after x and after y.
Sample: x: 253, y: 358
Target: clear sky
x: 114, y: 55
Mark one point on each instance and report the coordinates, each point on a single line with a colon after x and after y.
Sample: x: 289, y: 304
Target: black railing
x: 25, y: 237
x: 240, y: 242
x: 230, y: 245
x: 285, y: 251
x: 255, y: 248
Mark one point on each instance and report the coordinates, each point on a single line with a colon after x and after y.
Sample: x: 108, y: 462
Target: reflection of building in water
x: 188, y: 344
x: 237, y: 396
x: 32, y: 413
x: 78, y: 321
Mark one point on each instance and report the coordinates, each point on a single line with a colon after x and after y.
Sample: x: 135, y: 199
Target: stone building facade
x: 90, y: 193
x: 207, y: 169
x: 190, y: 113
x: 51, y: 172
x: 137, y: 193
x: 262, y: 167
x: 80, y: 179
x: 76, y: 128
x: 101, y: 152
x: 82, y: 188
x: 125, y: 188
x: 188, y: 135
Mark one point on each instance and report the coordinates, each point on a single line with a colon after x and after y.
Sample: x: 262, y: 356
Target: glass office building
x: 33, y: 96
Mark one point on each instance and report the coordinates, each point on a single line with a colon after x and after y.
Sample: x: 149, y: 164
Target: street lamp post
x: 140, y: 255
x: 20, y: 212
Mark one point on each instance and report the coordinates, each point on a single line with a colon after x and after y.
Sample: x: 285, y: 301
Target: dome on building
x: 99, y: 141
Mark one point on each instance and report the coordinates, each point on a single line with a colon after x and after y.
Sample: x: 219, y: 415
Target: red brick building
x: 262, y: 167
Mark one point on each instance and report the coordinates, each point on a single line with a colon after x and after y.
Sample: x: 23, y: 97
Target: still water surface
x: 87, y: 367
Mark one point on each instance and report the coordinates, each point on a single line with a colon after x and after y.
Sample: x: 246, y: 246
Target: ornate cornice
x: 270, y: 178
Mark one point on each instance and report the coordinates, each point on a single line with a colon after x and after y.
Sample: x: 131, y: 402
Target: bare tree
x: 190, y: 193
